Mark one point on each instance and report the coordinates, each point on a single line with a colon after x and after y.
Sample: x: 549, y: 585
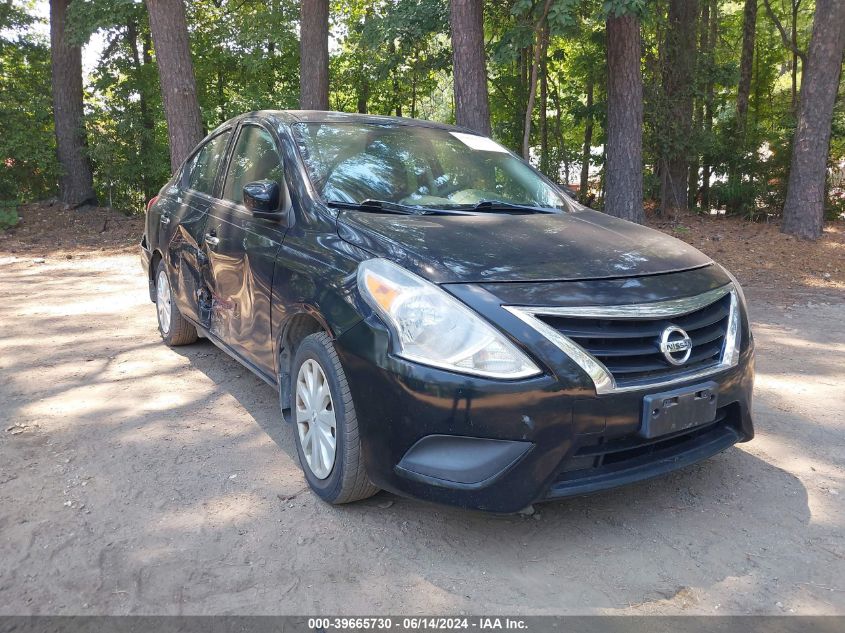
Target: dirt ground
x: 136, y: 479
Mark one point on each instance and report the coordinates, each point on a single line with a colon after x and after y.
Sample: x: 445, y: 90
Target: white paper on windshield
x: 481, y: 143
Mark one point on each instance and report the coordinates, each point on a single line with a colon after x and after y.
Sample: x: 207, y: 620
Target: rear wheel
x: 174, y: 328
x: 326, y: 428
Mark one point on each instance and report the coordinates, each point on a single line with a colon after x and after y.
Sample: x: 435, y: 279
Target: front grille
x: 598, y: 463
x: 629, y: 347
x: 625, y: 451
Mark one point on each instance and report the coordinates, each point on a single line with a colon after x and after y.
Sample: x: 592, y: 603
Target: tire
x: 175, y: 330
x: 345, y: 479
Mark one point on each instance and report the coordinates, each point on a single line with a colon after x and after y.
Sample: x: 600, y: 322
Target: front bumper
x: 500, y: 446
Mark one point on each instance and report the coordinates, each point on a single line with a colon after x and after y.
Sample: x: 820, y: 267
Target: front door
x: 242, y: 251
x: 184, y: 214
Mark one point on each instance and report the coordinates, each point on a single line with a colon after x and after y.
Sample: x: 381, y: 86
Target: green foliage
x: 28, y: 168
x: 618, y: 8
x: 8, y: 214
x: 246, y: 56
x: 127, y: 135
x: 394, y: 57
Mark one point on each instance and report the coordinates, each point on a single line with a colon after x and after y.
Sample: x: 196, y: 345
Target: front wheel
x: 174, y: 328
x: 326, y: 428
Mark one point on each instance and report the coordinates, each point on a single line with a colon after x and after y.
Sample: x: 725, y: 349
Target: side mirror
x: 263, y: 198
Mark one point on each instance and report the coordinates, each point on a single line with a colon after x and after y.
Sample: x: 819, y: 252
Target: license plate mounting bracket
x: 678, y: 410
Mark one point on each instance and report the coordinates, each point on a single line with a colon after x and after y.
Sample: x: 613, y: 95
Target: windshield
x: 417, y: 166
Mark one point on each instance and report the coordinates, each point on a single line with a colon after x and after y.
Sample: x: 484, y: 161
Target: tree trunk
x: 521, y: 96
x: 794, y: 39
x: 694, y: 170
x: 397, y: 103
x: 414, y: 93
x: 623, y: 168
x: 76, y: 183
x: 363, y: 95
x: 679, y: 71
x: 588, y: 143
x: 146, y: 135
x: 314, y: 55
x: 749, y: 30
x: 529, y: 108
x: 693, y: 166
x: 221, y: 96
x: 472, y: 107
x: 362, y: 88
x: 271, y: 72
x: 702, y: 63
x: 791, y: 44
x: 562, y: 154
x: 803, y: 212
x: 169, y: 29
x: 532, y: 86
x: 544, y: 97
x: 706, y: 168
x: 146, y: 116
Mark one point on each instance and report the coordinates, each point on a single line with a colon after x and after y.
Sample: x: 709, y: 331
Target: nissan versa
x: 439, y: 319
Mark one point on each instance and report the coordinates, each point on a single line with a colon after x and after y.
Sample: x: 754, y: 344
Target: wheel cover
x: 315, y: 419
x: 163, y: 302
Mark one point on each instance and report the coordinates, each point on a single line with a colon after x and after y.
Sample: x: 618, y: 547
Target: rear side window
x: 255, y: 158
x: 202, y: 168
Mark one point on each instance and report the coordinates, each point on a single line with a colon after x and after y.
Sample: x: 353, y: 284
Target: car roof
x: 326, y: 116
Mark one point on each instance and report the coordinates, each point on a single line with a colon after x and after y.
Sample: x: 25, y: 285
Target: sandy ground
x: 136, y: 479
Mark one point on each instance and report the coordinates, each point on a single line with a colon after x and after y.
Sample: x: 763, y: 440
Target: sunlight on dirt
x: 140, y: 479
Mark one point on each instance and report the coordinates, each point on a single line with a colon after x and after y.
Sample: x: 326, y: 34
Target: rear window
x: 201, y: 171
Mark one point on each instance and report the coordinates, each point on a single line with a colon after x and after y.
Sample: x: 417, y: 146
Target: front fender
x: 315, y: 276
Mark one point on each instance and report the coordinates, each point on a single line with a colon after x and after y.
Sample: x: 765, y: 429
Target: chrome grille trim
x: 655, y: 310
x: 602, y: 378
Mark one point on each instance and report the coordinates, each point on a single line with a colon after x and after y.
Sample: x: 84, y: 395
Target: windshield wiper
x: 501, y: 205
x: 377, y: 205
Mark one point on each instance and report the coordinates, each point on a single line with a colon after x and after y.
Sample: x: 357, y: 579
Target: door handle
x: 211, y: 240
x: 164, y: 220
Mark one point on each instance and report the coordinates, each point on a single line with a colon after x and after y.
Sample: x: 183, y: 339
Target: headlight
x: 739, y: 291
x: 743, y: 304
x: 433, y: 328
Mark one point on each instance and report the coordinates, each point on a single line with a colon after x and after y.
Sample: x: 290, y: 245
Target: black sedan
x: 439, y: 319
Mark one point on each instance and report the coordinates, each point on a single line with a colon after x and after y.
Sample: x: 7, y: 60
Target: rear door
x: 183, y: 219
x: 242, y: 250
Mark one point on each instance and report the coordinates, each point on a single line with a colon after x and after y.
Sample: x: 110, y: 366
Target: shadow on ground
x: 139, y: 479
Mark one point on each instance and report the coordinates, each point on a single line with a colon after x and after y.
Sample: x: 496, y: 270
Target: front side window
x: 255, y: 158
x: 417, y: 166
x: 202, y: 168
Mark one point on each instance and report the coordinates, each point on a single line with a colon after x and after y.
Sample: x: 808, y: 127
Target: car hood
x: 578, y: 245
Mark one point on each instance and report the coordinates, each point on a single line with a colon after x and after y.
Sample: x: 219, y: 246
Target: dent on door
x: 186, y: 227
x: 254, y: 319
x: 239, y: 281
x: 222, y: 274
